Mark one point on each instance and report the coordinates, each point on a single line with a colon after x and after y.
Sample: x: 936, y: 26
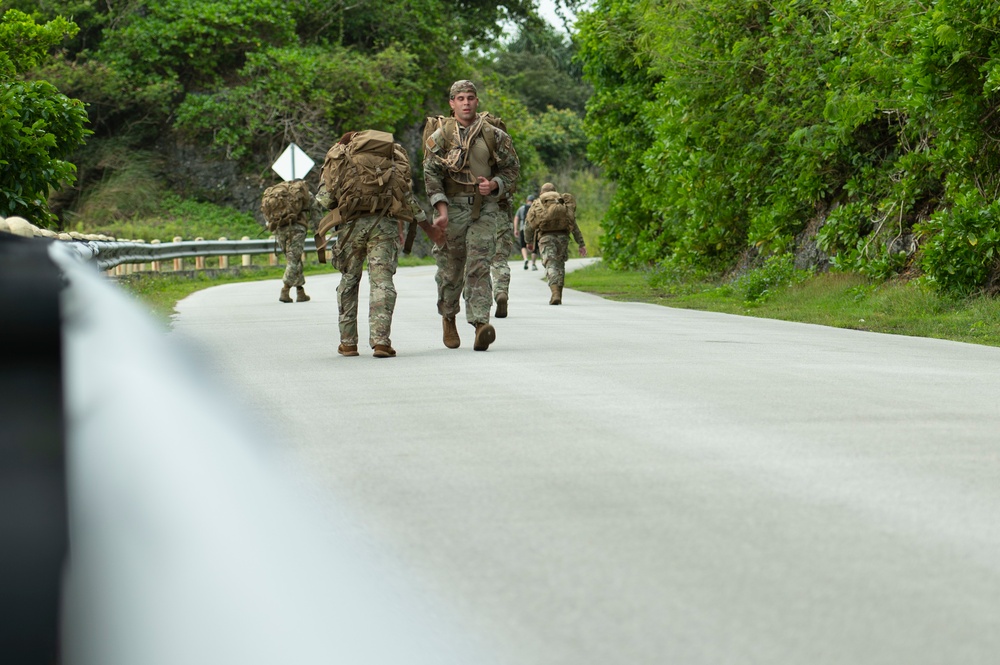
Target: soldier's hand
x: 436, y: 234
x: 583, y: 251
x: 485, y: 186
x: 530, y: 246
x: 441, y: 218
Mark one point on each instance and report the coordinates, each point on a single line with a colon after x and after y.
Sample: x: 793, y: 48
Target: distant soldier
x: 287, y: 208
x: 551, y: 220
x: 469, y: 166
x: 365, y: 172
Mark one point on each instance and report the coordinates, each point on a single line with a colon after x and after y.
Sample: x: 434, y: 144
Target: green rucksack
x: 286, y: 203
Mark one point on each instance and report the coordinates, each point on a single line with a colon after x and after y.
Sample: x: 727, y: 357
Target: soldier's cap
x: 462, y: 86
x: 548, y: 187
x: 531, y: 197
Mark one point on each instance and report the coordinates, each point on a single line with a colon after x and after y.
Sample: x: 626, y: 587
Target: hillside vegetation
x: 167, y: 103
x: 857, y: 134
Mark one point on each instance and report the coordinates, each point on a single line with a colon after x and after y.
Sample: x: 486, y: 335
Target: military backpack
x: 369, y: 174
x: 286, y: 203
x: 552, y: 211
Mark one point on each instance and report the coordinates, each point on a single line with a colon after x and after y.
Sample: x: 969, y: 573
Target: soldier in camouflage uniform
x: 465, y: 177
x: 500, y: 266
x: 554, y: 248
x: 287, y: 209
x: 376, y: 238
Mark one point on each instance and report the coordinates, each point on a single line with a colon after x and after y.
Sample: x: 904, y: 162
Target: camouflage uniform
x: 291, y: 239
x: 553, y: 246
x: 376, y: 238
x: 471, y: 241
x: 500, y: 266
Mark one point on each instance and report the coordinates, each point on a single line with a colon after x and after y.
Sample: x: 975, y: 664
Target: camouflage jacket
x: 504, y: 172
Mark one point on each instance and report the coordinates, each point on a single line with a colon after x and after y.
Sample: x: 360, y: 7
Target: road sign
x: 293, y: 163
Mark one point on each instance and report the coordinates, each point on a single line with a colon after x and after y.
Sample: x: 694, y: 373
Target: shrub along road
x: 627, y: 483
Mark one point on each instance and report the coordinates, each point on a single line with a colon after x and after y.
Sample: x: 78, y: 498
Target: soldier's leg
x: 559, y: 260
x: 294, y: 244
x: 350, y: 260
x: 500, y: 266
x: 450, y: 260
x: 383, y: 256
x: 481, y: 248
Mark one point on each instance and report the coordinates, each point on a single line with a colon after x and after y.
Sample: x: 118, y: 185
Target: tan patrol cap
x: 463, y: 86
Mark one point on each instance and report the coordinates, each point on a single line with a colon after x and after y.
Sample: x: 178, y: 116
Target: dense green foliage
x: 735, y: 127
x: 234, y: 81
x: 39, y: 126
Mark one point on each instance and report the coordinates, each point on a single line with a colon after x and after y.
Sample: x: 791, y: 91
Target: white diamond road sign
x: 293, y: 163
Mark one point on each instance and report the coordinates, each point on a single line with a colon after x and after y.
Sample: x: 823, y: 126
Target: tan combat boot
x: 501, y: 305
x: 284, y: 297
x: 451, y: 338
x: 485, y: 335
x: 384, y: 351
x: 301, y: 295
x: 556, y: 298
x: 347, y: 349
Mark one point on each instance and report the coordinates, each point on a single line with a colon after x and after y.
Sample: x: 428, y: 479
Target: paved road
x: 624, y: 483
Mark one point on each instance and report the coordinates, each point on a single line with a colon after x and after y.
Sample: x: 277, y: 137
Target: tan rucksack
x: 286, y: 203
x: 369, y: 175
x: 552, y: 211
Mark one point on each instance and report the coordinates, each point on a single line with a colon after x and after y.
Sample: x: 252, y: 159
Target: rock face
x: 193, y: 172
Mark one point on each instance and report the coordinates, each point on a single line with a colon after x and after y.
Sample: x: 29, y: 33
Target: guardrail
x: 108, y: 255
x: 173, y: 530
x: 120, y: 255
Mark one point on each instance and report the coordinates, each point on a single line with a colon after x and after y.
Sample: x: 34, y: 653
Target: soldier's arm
x: 434, y: 173
x: 508, y: 167
x: 529, y: 230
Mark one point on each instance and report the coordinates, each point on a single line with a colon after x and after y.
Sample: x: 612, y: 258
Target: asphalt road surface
x: 615, y: 483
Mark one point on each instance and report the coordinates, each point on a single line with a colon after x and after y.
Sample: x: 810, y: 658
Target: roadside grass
x: 831, y: 299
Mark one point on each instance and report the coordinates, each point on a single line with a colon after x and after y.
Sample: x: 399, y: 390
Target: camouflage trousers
x: 554, y: 248
x: 377, y: 239
x: 500, y: 266
x: 292, y: 241
x: 463, y: 262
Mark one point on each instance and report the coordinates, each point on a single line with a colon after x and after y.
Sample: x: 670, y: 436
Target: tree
x: 39, y: 126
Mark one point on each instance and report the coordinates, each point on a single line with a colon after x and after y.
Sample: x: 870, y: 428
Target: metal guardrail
x: 110, y: 254
x: 192, y: 540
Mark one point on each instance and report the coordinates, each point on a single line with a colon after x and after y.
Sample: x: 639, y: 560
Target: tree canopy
x: 39, y: 126
x: 244, y: 77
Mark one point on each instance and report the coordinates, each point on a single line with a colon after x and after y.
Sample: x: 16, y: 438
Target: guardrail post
x: 247, y: 262
x: 155, y: 265
x: 223, y: 260
x: 142, y: 266
x: 178, y: 263
x: 272, y: 258
x: 199, y: 261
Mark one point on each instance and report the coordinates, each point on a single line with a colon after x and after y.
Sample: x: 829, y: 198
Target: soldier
x: 469, y: 166
x: 519, y: 218
x: 500, y: 266
x: 551, y: 219
x: 366, y: 235
x: 287, y: 208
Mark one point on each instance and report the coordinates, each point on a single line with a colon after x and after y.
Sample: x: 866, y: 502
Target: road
x: 625, y: 483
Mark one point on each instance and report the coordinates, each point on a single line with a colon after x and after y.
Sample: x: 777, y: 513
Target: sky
x: 547, y: 9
